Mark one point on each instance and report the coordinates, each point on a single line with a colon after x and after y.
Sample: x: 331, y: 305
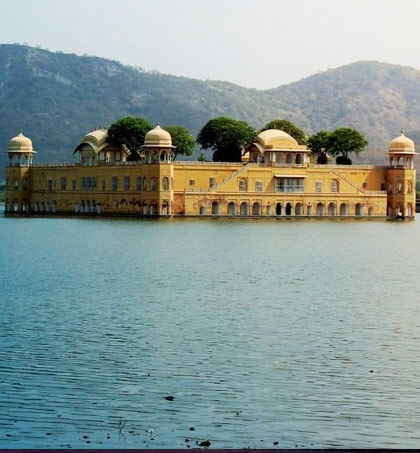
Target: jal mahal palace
x: 277, y: 178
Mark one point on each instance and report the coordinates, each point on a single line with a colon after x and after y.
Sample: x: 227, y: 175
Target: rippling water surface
x: 304, y: 333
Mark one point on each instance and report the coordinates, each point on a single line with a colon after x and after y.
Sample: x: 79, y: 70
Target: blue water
x: 304, y: 333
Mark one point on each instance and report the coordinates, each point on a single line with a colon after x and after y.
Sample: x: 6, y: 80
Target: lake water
x: 304, y: 333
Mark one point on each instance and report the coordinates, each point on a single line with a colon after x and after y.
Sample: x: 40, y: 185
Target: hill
x: 56, y: 98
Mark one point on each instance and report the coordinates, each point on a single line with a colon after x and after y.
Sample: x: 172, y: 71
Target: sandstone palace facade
x: 278, y: 178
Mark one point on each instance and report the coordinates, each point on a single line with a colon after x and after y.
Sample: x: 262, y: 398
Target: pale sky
x: 254, y: 43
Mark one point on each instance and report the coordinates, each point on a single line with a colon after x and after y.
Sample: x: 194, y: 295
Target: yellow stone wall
x: 189, y: 189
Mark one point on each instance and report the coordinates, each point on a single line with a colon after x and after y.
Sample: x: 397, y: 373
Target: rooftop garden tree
x: 345, y: 141
x: 288, y: 127
x: 226, y: 137
x: 318, y: 144
x: 129, y: 132
x: 182, y: 139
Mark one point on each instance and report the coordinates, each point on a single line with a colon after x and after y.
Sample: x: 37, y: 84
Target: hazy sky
x: 255, y: 43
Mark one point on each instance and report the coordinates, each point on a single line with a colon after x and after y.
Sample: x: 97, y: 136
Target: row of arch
x: 20, y: 160
x: 279, y: 157
x: 36, y: 206
x: 285, y: 209
x: 141, y: 183
x: 401, y: 162
x: 15, y: 184
x: 145, y: 207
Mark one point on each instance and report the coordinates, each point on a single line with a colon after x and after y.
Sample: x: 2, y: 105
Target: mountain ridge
x: 56, y: 98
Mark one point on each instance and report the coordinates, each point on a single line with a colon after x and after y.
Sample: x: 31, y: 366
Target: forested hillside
x: 56, y: 98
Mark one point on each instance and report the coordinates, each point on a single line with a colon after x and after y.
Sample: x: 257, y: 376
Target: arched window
x: 344, y: 209
x: 114, y: 183
x: 15, y: 184
x: 399, y: 187
x: 165, y: 184
x: 370, y: 211
x: 409, y: 210
x: 126, y: 183
x: 256, y: 208
x: 358, y: 209
x: 258, y: 186
x: 334, y: 186
x: 165, y: 208
x: 289, y: 159
x: 320, y: 209
x: 153, y: 184
x: 242, y: 185
x: 289, y: 209
x: 409, y: 187
x: 139, y: 183
x: 299, y: 159
x: 299, y: 209
x: 202, y: 210
x: 232, y: 208
x: 278, y: 208
x: 279, y: 158
x: 244, y: 209
x: 215, y: 208
x: 153, y: 208
x: 331, y: 209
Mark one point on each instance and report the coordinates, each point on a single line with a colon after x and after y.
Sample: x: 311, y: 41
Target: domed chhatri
x: 20, y: 151
x: 275, y: 145
x: 401, y: 152
x: 158, y: 138
x: 20, y: 143
x: 402, y: 144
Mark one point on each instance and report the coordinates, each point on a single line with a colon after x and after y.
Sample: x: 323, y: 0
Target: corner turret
x: 401, y: 178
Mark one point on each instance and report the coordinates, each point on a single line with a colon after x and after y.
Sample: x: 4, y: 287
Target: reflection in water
x: 301, y: 333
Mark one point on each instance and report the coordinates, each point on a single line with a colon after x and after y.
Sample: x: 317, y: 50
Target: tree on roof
x: 318, y: 144
x: 181, y: 139
x: 226, y: 137
x: 129, y: 132
x: 345, y: 141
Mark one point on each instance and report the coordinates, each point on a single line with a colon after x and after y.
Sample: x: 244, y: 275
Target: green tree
x: 288, y: 127
x: 318, y: 144
x: 344, y: 141
x: 182, y: 139
x: 129, y: 132
x: 226, y: 137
